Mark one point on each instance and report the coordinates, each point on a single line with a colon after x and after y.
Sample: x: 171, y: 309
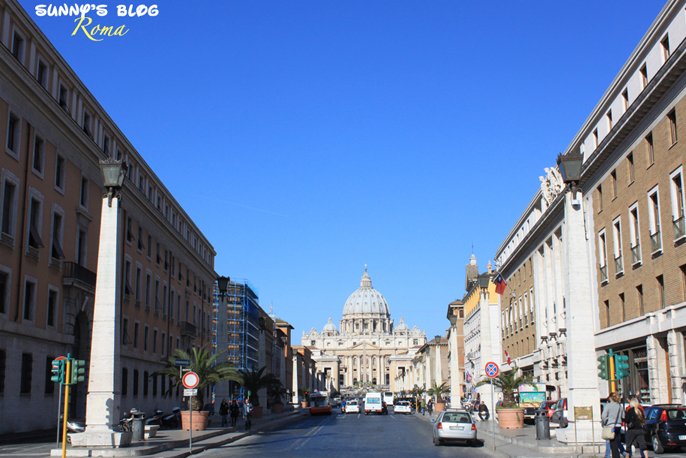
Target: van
x: 373, y: 403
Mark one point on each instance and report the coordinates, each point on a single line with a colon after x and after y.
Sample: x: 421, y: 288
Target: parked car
x: 665, y: 427
x: 560, y: 414
x: 548, y: 407
x: 454, y: 425
x: 352, y: 405
x: 402, y: 407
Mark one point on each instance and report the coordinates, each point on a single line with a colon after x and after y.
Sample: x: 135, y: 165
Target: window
x: 127, y: 278
x: 163, y: 341
x: 623, y: 306
x: 595, y: 138
x: 125, y: 331
x: 654, y: 220
x: 600, y: 198
x: 608, y: 323
x: 57, y: 240
x: 29, y: 299
x: 4, y: 292
x: 608, y: 116
x: 138, y: 286
x: 38, y: 156
x: 665, y: 48
x: 150, y: 192
x: 650, y: 149
x: 602, y: 255
x: 644, y: 76
x: 613, y: 179
x: 145, y: 383
x: 634, y: 234
x: 13, y: 135
x: 129, y: 230
x: 42, y: 74
x: 677, y: 191
x: 136, y: 329
x: 49, y: 384
x: 9, y: 206
x: 148, y: 287
x: 35, y: 224
x: 81, y: 246
x: 154, y: 341
x: 641, y: 305
x: 146, y: 338
x: 26, y: 373
x: 672, y: 126
x: 617, y: 241
x: 149, y: 246
x: 630, y: 161
x: 52, y: 306
x: 3, y: 363
x: 87, y: 123
x: 18, y: 46
x: 84, y: 193
x: 106, y: 145
x: 135, y: 382
x: 124, y: 381
x: 141, y: 245
x: 682, y: 271
x: 625, y: 99
x: 661, y: 290
x: 64, y: 98
x: 60, y: 173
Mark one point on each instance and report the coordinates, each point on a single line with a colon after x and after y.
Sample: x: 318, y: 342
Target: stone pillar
x: 222, y: 388
x: 439, y: 372
x: 295, y: 378
x: 657, y: 372
x: 580, y: 345
x: 675, y: 351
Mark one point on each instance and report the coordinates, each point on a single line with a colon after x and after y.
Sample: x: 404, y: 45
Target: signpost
x: 190, y: 381
x: 492, y: 371
x: 583, y: 413
x: 58, y: 370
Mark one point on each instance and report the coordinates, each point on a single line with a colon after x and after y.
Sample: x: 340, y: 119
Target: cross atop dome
x: 366, y: 281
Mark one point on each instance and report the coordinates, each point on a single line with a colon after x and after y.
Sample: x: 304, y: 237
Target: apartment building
x: 55, y: 134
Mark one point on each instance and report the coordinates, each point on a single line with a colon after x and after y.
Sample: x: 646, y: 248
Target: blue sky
x: 309, y: 138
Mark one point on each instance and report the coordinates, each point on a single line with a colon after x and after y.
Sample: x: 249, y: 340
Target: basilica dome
x: 366, y: 300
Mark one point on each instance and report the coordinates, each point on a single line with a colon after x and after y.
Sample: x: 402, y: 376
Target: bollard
x: 138, y: 425
x: 542, y: 426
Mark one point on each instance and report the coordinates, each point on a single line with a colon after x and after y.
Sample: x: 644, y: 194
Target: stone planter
x: 511, y: 418
x: 257, y: 411
x: 439, y: 407
x: 200, y: 420
x: 303, y: 404
x: 277, y: 408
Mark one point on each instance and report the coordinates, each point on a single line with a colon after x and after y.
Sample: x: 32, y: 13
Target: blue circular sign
x: 492, y: 370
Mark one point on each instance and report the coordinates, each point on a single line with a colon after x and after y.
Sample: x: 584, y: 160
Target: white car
x: 352, y: 406
x: 402, y: 407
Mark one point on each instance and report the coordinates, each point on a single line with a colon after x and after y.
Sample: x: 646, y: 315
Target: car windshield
x: 373, y: 401
x: 456, y: 417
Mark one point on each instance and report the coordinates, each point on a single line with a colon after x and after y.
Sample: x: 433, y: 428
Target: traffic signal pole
x: 66, y: 408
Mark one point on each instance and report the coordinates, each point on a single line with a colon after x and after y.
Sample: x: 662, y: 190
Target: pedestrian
x: 247, y: 414
x: 224, y: 412
x: 613, y: 415
x: 635, y: 419
x: 234, y: 410
x: 423, y: 406
x: 483, y: 412
x: 430, y: 406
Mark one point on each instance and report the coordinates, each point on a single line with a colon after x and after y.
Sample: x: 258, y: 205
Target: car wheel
x: 437, y: 441
x: 657, y: 445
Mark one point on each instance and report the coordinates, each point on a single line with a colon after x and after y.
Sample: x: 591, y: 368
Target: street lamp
x: 113, y: 174
x: 484, y: 280
x: 570, y: 169
x: 223, y: 284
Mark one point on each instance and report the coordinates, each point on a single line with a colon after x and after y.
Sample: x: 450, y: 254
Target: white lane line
x: 358, y: 415
x: 313, y: 433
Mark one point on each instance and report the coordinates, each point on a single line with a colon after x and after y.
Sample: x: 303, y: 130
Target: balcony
x: 636, y: 254
x: 603, y: 274
x: 619, y: 265
x: 656, y: 242
x: 679, y: 229
x: 188, y: 329
x: 77, y: 275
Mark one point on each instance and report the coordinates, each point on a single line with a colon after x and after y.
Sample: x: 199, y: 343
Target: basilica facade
x: 368, y: 347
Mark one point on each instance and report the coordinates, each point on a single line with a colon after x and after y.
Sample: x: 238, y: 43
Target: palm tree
x: 255, y: 380
x: 509, y: 383
x: 439, y: 391
x: 205, y: 365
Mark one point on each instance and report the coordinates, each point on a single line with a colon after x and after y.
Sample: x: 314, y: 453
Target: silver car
x: 454, y: 425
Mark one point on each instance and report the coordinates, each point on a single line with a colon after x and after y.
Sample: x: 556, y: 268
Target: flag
x: 509, y: 361
x: 469, y: 377
x: 500, y: 284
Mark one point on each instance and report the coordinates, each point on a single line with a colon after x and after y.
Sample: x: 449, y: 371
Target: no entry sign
x: 190, y: 380
x: 492, y: 369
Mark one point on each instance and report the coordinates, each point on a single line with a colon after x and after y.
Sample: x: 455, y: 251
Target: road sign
x: 190, y: 392
x: 190, y: 380
x: 492, y: 369
x: 182, y: 362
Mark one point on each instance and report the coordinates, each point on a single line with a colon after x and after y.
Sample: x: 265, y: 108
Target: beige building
x: 369, y: 348
x: 55, y: 134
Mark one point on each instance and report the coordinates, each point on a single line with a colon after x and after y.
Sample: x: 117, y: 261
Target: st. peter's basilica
x: 368, y: 348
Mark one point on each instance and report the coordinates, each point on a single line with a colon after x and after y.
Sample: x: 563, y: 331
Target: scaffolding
x: 243, y: 313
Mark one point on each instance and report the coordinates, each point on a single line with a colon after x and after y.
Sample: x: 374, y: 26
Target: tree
x: 255, y: 380
x: 439, y: 391
x: 276, y: 392
x: 205, y: 365
x: 509, y: 383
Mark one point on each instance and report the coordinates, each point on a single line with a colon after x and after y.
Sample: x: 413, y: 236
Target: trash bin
x: 138, y: 425
x: 542, y: 426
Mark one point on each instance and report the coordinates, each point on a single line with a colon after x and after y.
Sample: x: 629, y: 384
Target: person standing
x: 430, y: 406
x: 613, y: 415
x: 234, y: 410
x: 224, y: 412
x: 423, y: 406
x: 247, y: 414
x: 483, y: 412
x: 635, y: 420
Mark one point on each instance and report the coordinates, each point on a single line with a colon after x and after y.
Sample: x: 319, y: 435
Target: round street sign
x: 190, y: 380
x: 492, y: 369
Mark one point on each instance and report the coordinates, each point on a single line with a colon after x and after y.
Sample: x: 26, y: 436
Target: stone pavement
x: 522, y: 443
x: 174, y: 443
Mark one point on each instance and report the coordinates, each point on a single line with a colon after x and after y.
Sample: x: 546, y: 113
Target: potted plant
x: 439, y: 391
x: 255, y: 380
x: 277, y: 392
x: 209, y: 372
x: 303, y: 393
x: 510, y: 415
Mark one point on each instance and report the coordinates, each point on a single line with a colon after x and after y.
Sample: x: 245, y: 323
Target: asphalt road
x: 351, y: 435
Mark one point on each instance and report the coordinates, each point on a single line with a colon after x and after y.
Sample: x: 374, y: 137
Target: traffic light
x: 603, y: 367
x: 621, y: 366
x: 58, y: 368
x: 78, y: 368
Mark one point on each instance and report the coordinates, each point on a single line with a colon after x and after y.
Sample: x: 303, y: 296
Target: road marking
x: 312, y: 434
x: 358, y: 415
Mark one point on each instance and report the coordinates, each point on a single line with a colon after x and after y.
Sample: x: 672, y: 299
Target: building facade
x: 51, y: 195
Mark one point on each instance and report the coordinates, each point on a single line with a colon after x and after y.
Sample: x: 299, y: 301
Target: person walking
x: 423, y: 406
x: 613, y: 415
x: 483, y: 412
x: 635, y: 420
x: 224, y: 412
x: 430, y: 406
x: 247, y: 414
x: 234, y: 410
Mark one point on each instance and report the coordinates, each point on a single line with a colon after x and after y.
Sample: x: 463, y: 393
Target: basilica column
x: 379, y: 375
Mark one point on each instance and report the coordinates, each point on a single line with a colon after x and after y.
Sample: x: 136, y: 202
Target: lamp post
x: 104, y: 377
x: 582, y: 379
x: 222, y: 389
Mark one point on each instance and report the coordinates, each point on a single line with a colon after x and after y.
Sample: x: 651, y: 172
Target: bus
x: 320, y: 403
x: 388, y: 398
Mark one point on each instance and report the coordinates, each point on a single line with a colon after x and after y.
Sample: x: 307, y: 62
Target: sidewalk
x: 174, y: 443
x: 522, y: 443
